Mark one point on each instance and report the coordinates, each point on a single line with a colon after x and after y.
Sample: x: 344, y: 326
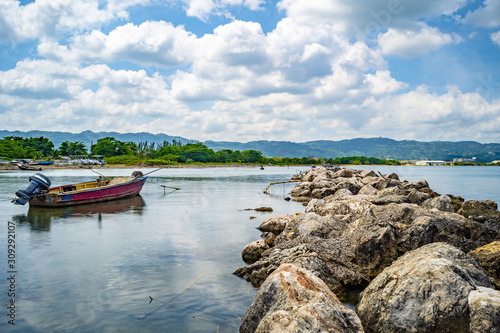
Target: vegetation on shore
x: 175, y: 152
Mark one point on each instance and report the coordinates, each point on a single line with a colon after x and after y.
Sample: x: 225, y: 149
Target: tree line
x: 174, y: 152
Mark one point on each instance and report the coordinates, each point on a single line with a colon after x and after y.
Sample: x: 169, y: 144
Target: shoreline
x: 178, y: 166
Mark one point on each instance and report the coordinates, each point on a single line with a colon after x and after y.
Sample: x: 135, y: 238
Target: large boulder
x: 426, y: 290
x: 417, y: 197
x: 443, y: 202
x: 293, y: 299
x: 488, y: 257
x: 480, y: 210
x: 484, y: 305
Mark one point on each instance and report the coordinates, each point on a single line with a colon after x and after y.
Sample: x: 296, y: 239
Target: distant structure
x: 431, y: 163
x: 465, y: 160
x: 495, y: 162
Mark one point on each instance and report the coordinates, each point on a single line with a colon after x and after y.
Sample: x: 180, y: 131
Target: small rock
x: 252, y: 252
x: 264, y: 209
x: 275, y: 224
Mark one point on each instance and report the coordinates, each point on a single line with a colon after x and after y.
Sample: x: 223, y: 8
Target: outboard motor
x: 38, y: 183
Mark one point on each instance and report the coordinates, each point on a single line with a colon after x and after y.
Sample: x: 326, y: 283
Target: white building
x: 431, y: 163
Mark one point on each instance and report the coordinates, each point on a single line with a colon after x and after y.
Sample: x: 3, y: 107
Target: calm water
x: 94, y: 268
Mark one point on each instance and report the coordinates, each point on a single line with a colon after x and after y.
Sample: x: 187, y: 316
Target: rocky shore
x: 408, y: 258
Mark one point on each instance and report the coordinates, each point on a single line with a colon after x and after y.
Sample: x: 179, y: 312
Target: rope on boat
x: 153, y: 171
x: 100, y: 174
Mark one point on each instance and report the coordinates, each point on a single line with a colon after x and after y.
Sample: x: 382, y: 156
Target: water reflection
x: 40, y: 218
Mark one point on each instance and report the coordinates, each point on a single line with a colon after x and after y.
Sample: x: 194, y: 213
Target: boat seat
x: 119, y: 180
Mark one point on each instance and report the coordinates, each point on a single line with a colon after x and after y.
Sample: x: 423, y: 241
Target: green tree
x: 68, y: 148
x: 111, y: 147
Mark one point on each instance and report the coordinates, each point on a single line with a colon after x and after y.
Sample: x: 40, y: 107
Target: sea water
x: 161, y: 261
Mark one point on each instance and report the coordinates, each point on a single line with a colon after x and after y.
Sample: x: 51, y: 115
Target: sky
x: 244, y: 70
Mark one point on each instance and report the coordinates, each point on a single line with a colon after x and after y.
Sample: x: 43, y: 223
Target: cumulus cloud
x: 48, y: 18
x: 413, y: 43
x: 495, y: 37
x: 364, y: 16
x: 152, y: 43
x: 485, y: 16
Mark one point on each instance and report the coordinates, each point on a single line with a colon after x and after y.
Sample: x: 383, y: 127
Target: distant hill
x: 89, y: 137
x: 373, y: 147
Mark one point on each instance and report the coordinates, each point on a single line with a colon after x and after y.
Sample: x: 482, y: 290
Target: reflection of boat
x: 108, y: 207
x: 40, y: 217
x: 39, y: 192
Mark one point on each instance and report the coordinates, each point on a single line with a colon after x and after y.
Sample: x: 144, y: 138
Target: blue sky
x: 245, y: 70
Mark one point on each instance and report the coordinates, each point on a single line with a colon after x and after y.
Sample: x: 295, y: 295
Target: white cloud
x: 48, y: 18
x: 381, y: 83
x: 151, y: 43
x: 364, y: 16
x: 413, y: 43
x: 495, y: 37
x: 487, y: 15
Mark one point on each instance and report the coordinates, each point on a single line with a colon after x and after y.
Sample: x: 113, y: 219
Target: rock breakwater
x: 358, y: 224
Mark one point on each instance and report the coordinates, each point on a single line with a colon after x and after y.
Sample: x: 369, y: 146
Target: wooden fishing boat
x: 28, y: 167
x: 89, y: 192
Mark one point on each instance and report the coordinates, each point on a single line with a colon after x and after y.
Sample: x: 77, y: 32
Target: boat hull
x: 99, y: 194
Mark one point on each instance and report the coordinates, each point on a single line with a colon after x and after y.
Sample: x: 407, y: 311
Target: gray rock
x: 253, y: 251
x: 264, y: 209
x: 341, y: 194
x: 370, y: 173
x: 300, y: 255
x: 417, y: 197
x: 387, y: 199
x: 393, y: 176
x: 293, y: 299
x: 299, y: 188
x: 443, y: 202
x: 484, y: 305
x: 275, y: 224
x: 345, y: 173
x: 368, y: 190
x: 321, y: 193
x: 426, y: 290
x: 475, y: 209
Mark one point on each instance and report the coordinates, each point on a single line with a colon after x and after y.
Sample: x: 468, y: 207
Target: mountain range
x: 371, y: 147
